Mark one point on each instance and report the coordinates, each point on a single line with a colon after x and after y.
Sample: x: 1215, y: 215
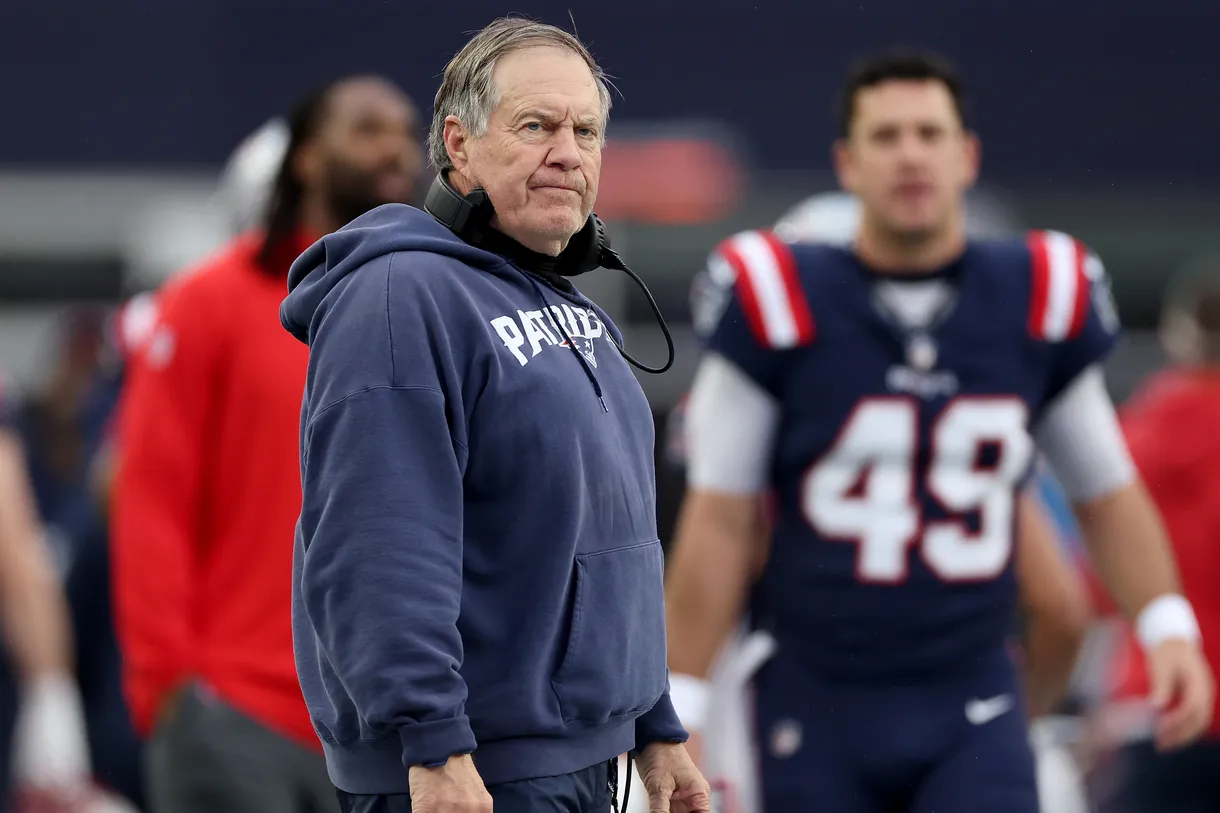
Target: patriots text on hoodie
x: 477, y: 566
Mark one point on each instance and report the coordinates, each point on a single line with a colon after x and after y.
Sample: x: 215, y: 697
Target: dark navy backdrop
x: 1063, y: 91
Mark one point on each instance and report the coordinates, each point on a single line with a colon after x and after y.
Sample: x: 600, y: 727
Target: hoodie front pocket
x: 614, y: 664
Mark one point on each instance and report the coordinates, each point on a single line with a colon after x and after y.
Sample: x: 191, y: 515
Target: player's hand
x: 1182, y: 691
x: 454, y: 787
x: 673, y: 782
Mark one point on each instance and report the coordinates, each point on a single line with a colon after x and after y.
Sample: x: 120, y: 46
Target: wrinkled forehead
x: 904, y: 103
x: 547, y: 80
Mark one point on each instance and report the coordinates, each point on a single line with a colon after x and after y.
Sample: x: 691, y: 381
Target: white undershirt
x: 732, y: 423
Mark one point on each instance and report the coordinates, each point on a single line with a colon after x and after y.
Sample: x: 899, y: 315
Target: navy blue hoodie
x: 477, y: 566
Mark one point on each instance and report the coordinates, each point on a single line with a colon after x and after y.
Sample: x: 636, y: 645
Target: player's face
x: 369, y: 148
x: 907, y: 157
x: 540, y: 159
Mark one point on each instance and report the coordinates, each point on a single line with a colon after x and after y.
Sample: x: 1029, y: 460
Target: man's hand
x: 454, y: 787
x: 673, y: 782
x: 1183, y: 692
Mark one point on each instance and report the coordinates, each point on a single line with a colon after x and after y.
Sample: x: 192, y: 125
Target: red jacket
x: 207, y: 496
x: 1173, y: 430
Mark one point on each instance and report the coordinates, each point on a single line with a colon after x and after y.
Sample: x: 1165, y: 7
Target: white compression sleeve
x: 731, y: 426
x: 1082, y: 440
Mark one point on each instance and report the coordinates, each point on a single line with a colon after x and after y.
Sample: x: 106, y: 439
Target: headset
x: 469, y: 217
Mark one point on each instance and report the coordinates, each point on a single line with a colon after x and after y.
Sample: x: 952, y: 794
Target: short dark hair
x: 899, y: 65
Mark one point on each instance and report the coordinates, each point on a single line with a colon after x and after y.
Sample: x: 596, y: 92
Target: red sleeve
x: 1165, y: 448
x: 158, y: 494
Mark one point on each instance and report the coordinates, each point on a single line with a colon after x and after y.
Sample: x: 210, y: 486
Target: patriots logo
x: 584, y: 346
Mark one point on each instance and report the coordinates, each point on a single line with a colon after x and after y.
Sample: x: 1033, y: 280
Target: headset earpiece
x: 464, y: 215
x: 467, y: 216
x: 586, y: 250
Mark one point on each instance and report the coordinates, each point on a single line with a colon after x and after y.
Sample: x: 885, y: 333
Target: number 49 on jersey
x: 867, y: 489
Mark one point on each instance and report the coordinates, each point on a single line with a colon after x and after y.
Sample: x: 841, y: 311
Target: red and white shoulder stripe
x: 769, y: 288
x: 1059, y: 304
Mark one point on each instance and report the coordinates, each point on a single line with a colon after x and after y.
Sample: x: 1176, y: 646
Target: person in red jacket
x: 207, y: 489
x: 1172, y: 426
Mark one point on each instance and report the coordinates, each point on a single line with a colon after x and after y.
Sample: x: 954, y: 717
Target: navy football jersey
x: 900, y: 453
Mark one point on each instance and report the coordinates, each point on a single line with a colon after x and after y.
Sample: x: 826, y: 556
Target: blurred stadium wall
x: 1092, y: 124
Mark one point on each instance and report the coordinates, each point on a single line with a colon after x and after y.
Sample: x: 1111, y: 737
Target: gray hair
x: 468, y: 90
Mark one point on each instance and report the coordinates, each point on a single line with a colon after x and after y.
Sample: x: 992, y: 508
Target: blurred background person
x: 207, y: 488
x: 67, y: 426
x: 1171, y: 426
x: 63, y: 425
x: 240, y: 201
x: 42, y: 726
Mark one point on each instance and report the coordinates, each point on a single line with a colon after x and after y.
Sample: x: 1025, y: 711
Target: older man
x: 478, y: 598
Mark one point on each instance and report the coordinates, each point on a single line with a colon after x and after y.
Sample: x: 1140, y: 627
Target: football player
x: 1053, y: 599
x: 889, y: 397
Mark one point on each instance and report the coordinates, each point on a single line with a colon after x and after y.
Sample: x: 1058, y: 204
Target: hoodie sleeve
x: 382, y: 464
x: 659, y: 724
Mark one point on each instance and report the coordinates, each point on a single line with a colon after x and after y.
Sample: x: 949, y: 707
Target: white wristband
x: 1165, y: 618
x: 51, y: 746
x: 691, y: 697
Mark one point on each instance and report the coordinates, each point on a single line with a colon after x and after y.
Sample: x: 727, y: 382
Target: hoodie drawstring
x: 558, y: 323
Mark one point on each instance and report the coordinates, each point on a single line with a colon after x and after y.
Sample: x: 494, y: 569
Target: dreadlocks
x: 356, y: 167
x: 284, y: 205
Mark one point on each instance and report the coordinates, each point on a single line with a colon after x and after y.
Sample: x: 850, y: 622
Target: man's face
x: 370, y: 151
x: 907, y: 157
x: 540, y: 159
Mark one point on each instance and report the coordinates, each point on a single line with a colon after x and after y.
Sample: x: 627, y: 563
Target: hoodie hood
x: 384, y: 230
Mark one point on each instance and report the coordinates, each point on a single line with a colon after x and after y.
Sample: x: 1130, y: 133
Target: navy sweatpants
x: 957, y: 745
x: 586, y: 791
